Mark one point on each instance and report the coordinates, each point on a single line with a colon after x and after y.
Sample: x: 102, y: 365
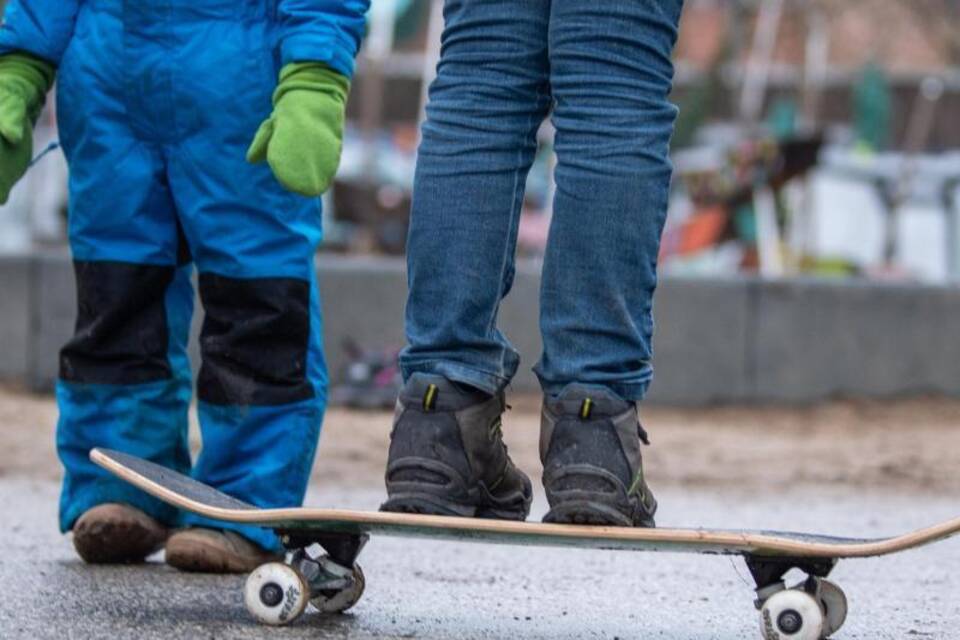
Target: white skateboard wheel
x: 834, y: 603
x: 329, y: 601
x: 275, y: 594
x: 792, y: 615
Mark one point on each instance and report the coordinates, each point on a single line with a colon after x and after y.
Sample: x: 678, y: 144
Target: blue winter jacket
x: 327, y: 31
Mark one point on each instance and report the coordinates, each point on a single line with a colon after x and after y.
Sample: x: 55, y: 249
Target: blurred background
x: 813, y: 239
x: 815, y: 136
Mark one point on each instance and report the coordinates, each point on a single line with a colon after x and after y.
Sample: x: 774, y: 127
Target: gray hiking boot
x: 447, y: 455
x: 592, y: 468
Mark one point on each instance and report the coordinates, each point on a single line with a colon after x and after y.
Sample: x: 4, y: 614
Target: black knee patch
x: 121, y: 334
x: 254, y: 340
x: 184, y: 257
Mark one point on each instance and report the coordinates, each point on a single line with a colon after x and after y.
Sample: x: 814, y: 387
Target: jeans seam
x: 516, y: 208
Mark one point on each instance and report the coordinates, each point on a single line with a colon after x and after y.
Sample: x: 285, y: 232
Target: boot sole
x: 425, y: 504
x: 428, y: 504
x: 586, y: 512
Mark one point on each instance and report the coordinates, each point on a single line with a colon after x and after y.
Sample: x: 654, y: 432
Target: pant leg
x: 124, y: 376
x: 124, y: 379
x: 611, y: 73
x: 262, y: 385
x: 479, y: 140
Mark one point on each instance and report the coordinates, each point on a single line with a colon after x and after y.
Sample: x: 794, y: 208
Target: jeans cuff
x: 630, y: 390
x: 484, y: 380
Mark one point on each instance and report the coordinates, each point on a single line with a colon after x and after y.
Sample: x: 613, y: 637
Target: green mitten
x: 24, y: 82
x: 302, y: 138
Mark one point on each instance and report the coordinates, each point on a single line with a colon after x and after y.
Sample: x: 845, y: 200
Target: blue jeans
x: 604, y: 70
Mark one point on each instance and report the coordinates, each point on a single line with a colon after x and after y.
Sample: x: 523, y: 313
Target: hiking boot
x: 212, y: 551
x: 113, y: 533
x: 447, y: 455
x: 592, y: 469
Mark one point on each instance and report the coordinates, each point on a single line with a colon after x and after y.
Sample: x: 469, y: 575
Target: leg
x: 611, y: 72
x: 124, y: 376
x: 446, y: 449
x: 262, y: 384
x: 479, y: 140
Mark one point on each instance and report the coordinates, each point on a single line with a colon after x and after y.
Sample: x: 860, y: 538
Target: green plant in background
x: 696, y: 107
x: 782, y: 118
x: 872, y: 107
x: 411, y: 16
x: 704, y: 97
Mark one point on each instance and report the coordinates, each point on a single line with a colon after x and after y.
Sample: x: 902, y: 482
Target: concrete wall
x: 717, y: 340
x: 16, y: 305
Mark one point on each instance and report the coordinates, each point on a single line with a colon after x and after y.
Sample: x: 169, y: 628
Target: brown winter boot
x: 116, y: 533
x: 211, y: 551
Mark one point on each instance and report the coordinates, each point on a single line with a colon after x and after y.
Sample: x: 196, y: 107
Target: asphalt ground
x: 430, y: 589
x: 746, y: 474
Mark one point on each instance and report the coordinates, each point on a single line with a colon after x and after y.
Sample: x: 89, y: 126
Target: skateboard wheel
x: 791, y: 615
x: 275, y: 594
x: 834, y: 603
x: 339, y: 600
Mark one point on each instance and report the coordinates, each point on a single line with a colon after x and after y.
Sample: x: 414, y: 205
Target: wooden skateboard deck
x: 186, y: 493
x: 277, y: 593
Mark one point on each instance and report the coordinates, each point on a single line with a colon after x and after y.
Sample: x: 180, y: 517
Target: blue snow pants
x: 157, y: 103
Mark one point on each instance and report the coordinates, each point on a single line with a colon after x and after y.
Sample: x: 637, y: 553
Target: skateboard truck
x: 768, y: 571
x: 342, y: 548
x: 277, y: 593
x: 813, y: 609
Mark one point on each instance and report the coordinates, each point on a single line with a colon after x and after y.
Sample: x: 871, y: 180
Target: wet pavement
x: 429, y: 589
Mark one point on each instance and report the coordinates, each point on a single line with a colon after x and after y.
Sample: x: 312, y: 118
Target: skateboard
x: 322, y: 547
